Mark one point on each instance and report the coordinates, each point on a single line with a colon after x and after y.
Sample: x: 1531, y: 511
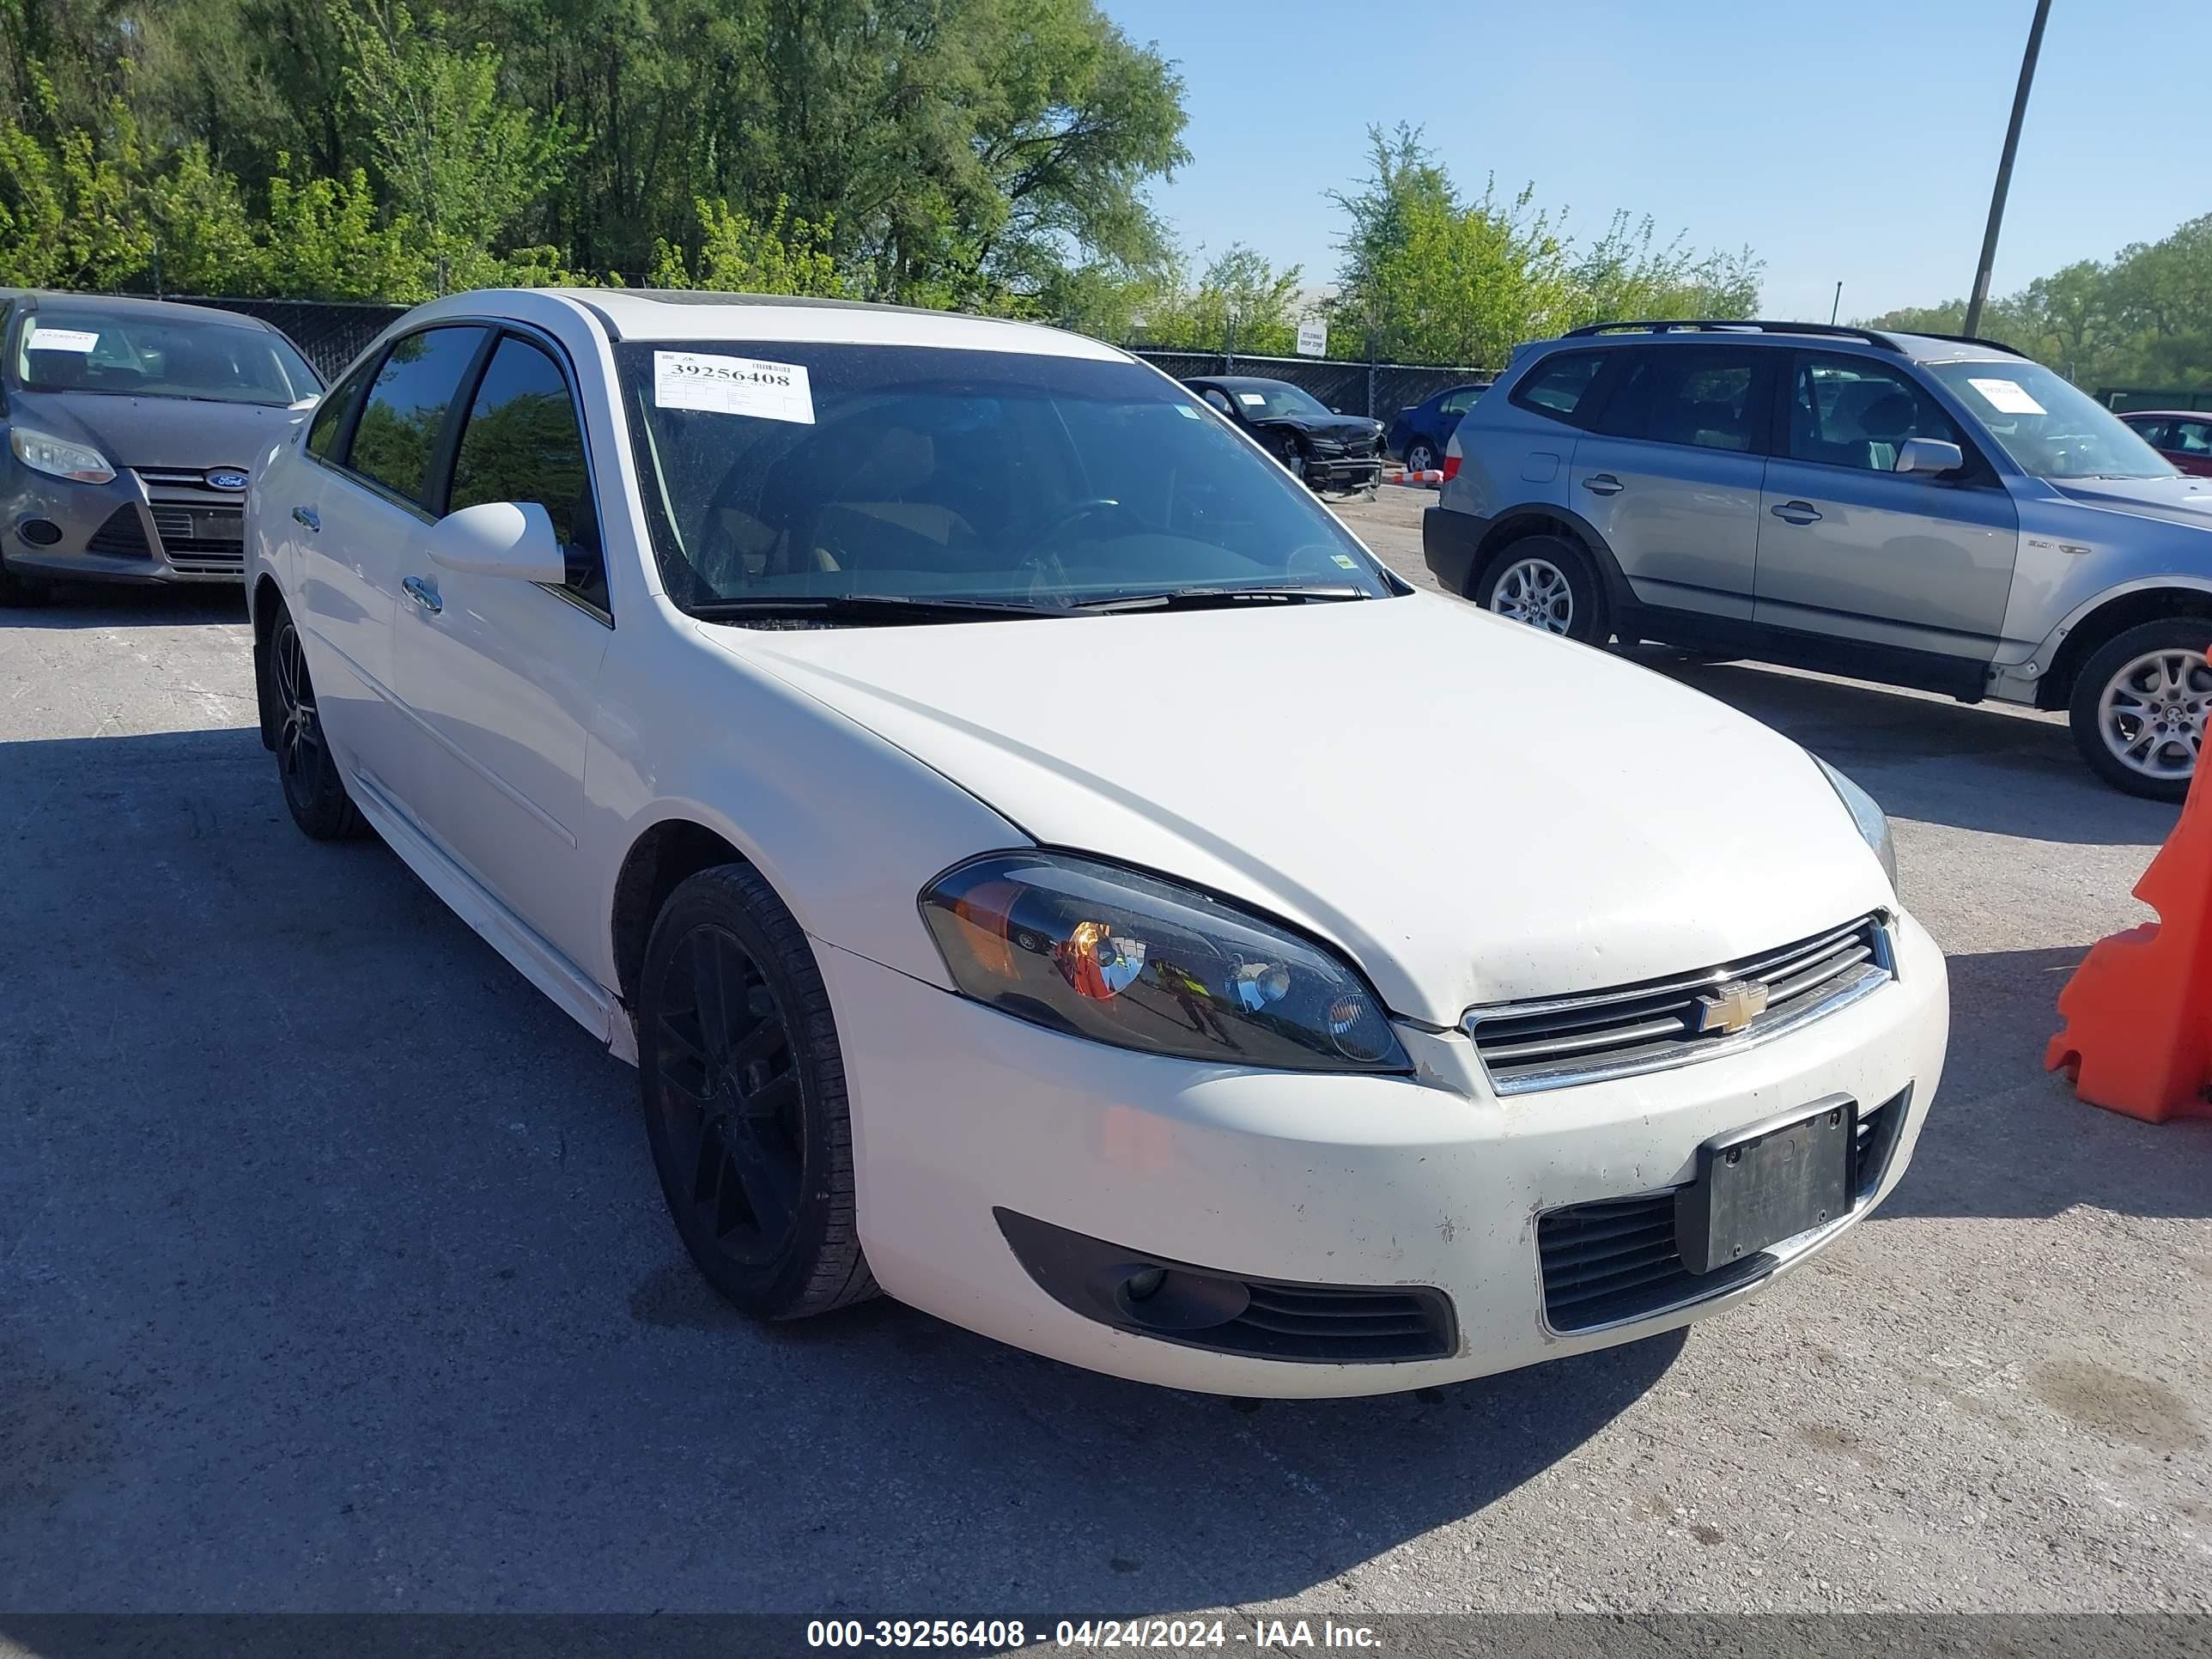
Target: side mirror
x: 500, y: 538
x: 1930, y: 455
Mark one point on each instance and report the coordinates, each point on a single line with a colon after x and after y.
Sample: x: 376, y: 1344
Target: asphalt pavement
x: 333, y: 1275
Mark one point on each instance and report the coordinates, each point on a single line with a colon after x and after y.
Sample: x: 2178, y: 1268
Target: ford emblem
x: 226, y: 477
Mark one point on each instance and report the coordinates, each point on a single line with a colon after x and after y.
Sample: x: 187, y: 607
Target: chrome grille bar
x: 1558, y: 1041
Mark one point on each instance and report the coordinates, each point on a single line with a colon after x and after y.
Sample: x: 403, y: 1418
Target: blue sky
x: 1855, y: 140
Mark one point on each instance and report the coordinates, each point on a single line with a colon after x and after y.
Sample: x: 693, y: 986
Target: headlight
x: 1873, y: 822
x: 1098, y: 952
x: 58, y: 457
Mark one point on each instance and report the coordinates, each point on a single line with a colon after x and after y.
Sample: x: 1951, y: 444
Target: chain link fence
x: 331, y: 333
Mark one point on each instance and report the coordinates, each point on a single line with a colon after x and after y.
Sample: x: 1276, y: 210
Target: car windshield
x: 1260, y: 399
x: 787, y: 472
x: 2050, y: 426
x: 85, y: 348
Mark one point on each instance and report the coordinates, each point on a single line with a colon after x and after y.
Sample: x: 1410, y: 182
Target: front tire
x: 313, y: 791
x: 2142, y: 706
x: 1548, y: 582
x: 743, y: 1083
x: 1293, y: 457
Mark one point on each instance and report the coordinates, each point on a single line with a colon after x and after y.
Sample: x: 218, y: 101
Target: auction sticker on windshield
x: 2007, y: 397
x: 62, y: 339
x: 733, y: 385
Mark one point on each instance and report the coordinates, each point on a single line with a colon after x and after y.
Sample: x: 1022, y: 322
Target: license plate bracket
x: 1760, y: 1185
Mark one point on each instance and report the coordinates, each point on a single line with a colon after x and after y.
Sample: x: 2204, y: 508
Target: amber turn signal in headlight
x: 1095, y: 951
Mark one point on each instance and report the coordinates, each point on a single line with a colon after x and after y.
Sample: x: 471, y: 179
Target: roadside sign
x: 1313, y: 339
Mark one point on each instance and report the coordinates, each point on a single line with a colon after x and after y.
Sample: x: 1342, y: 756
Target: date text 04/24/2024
x: 1169, y: 1634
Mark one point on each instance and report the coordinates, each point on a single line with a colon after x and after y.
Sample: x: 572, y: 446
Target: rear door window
x: 1558, y: 385
x: 2191, y: 437
x: 1704, y: 397
x: 395, y: 442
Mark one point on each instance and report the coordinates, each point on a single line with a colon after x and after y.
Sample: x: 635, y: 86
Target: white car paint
x: 1528, y: 818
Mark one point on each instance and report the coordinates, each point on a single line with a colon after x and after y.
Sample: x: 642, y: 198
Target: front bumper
x: 140, y: 528
x: 962, y: 1114
x: 1344, y: 472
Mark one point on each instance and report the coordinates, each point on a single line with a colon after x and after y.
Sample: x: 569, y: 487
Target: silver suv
x: 1930, y: 512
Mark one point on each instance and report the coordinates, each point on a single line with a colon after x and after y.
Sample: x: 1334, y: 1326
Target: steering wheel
x: 1094, y: 506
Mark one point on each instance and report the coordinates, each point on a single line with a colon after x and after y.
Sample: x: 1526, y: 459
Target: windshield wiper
x: 1215, y: 598
x: 863, y: 609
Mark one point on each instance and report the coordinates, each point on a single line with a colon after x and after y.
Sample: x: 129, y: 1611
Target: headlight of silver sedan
x: 58, y: 457
x: 1095, y: 951
x: 1873, y: 822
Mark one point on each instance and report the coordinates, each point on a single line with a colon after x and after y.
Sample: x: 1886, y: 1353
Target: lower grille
x: 121, y: 536
x: 201, y: 539
x: 1617, y: 1259
x: 1559, y: 1041
x: 1317, y: 1322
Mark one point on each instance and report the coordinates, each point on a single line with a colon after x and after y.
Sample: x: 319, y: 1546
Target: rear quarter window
x: 1559, y: 385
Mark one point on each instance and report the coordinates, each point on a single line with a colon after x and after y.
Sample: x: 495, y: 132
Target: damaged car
x: 1327, y: 450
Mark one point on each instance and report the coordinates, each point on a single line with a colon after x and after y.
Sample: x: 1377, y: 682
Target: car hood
x: 1347, y: 426
x: 2183, y: 500
x: 178, y: 433
x: 1472, y: 810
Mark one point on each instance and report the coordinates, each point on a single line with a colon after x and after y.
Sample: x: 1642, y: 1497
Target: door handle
x: 1797, y: 512
x: 307, y: 516
x: 1602, y: 483
x: 423, y: 594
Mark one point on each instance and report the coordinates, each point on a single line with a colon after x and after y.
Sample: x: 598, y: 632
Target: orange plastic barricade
x: 2138, y: 1032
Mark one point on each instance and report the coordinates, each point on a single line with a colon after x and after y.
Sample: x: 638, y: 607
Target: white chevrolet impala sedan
x: 1043, y: 867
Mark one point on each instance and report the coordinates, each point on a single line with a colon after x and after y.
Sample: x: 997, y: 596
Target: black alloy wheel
x: 743, y: 1090
x: 313, y: 791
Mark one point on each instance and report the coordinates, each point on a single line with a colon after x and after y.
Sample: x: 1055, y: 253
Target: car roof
x: 1232, y: 381
x: 128, y: 305
x: 678, y: 314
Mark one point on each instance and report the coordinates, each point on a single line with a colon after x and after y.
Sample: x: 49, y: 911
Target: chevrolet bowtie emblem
x: 1731, y: 1007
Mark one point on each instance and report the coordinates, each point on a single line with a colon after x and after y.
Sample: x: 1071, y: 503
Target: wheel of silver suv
x: 1534, y: 590
x: 2141, y: 706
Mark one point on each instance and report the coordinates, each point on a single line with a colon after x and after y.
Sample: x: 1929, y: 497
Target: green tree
x: 1240, y: 303
x: 456, y: 159
x: 1427, y: 275
x: 783, y: 256
x: 71, y: 209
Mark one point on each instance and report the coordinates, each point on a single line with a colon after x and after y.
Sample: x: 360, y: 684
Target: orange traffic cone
x: 2138, y: 1032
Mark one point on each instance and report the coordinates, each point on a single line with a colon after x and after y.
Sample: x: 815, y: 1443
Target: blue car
x: 1419, y: 434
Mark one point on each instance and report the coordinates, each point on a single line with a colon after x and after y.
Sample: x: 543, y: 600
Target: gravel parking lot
x: 333, y: 1274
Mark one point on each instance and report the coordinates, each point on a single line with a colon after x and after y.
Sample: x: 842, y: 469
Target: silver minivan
x: 1929, y: 511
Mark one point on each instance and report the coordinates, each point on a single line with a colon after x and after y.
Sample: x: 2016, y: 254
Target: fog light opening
x: 1158, y: 1299
x: 40, y: 532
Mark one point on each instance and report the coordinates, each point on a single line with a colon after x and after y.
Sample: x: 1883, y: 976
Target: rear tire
x: 1548, y: 582
x: 313, y: 791
x: 1421, y: 457
x: 2141, y: 706
x: 743, y: 1084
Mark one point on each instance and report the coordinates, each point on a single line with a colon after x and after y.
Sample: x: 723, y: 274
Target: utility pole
x: 2004, y: 168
